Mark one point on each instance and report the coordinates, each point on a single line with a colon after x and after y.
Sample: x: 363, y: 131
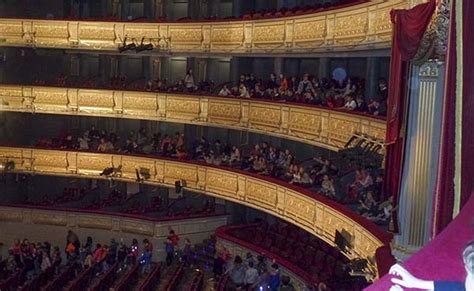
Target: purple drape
x: 409, y: 26
x: 444, y: 191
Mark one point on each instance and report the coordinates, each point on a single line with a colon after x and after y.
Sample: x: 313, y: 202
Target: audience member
x: 169, y: 249
x: 308, y: 89
x: 274, y: 277
x: 286, y: 284
x: 237, y: 272
x: 251, y: 276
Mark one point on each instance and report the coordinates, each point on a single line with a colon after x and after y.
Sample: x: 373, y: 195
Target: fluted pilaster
x: 421, y: 156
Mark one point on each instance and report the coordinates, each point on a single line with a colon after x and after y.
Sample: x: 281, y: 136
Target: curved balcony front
x: 104, y: 225
x: 314, y: 213
x: 356, y: 27
x: 319, y: 126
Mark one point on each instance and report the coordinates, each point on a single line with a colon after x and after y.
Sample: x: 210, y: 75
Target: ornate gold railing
x: 309, y: 124
x: 312, y: 212
x: 362, y: 26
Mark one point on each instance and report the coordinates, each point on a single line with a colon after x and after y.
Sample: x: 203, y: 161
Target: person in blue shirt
x: 145, y: 261
x: 169, y: 248
x: 274, y: 278
x: 407, y: 280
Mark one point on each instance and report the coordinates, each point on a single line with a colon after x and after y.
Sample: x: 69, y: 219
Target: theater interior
x: 281, y: 145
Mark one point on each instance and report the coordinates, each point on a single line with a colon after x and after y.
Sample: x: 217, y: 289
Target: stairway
x: 142, y: 277
x: 167, y: 274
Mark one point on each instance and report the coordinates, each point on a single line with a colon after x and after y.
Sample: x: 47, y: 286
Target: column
x: 159, y: 9
x: 125, y: 9
x: 264, y: 4
x: 201, y: 70
x: 371, y: 77
x: 197, y: 8
x: 116, y: 9
x: 146, y: 72
x: 278, y: 66
x: 114, y: 66
x: 204, y: 8
x: 168, y: 9
x: 75, y: 65
x: 234, y: 70
x: 421, y: 157
x: 193, y: 9
x: 149, y: 9
x: 324, y: 67
x: 104, y: 68
x: 280, y: 4
x: 165, y: 68
x: 155, y: 68
x: 3, y: 70
x: 291, y: 67
x: 237, y: 7
x: 213, y: 7
x: 122, y: 66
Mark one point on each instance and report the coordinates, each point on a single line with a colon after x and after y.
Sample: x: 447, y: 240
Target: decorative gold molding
x: 308, y: 124
x: 308, y: 211
x: 110, y: 222
x: 362, y: 26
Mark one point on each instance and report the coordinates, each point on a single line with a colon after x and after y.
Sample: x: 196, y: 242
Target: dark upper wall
x: 24, y: 66
x: 132, y: 9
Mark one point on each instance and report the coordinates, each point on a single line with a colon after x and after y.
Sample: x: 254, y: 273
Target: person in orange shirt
x: 70, y: 250
x: 283, y: 83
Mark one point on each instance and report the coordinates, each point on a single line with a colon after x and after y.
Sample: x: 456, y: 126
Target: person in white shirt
x: 251, y: 276
x: 225, y: 91
x: 367, y: 179
x: 350, y: 88
x: 350, y: 103
x: 243, y: 91
x: 189, y: 80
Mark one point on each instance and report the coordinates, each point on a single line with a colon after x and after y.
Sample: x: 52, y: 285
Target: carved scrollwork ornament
x: 434, y: 42
x: 442, y: 28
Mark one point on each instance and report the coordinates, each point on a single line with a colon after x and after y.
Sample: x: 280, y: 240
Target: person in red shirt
x: 99, y: 253
x: 16, y: 248
x: 174, y: 238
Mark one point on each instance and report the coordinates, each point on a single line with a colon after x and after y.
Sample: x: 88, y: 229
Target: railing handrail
x: 213, y: 96
x: 123, y: 284
x: 175, y: 278
x: 152, y: 277
x: 99, y: 285
x: 302, y: 207
x: 54, y: 284
x: 371, y: 227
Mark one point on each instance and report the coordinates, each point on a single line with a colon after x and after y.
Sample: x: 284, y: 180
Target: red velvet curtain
x: 467, y: 155
x: 409, y: 26
x: 444, y: 191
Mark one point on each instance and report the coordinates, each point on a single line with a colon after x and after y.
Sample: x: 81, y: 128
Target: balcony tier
x: 314, y: 213
x: 319, y: 126
x: 364, y: 26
